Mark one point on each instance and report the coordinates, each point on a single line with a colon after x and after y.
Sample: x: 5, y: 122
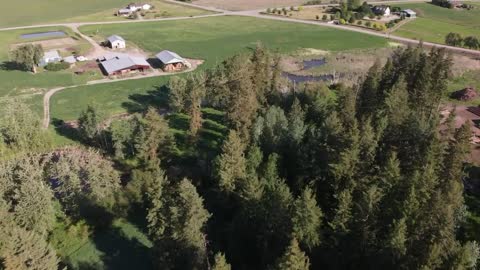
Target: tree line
x: 307, y: 177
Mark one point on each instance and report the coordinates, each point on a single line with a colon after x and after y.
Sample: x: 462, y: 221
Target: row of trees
x: 455, y: 39
x: 321, y: 177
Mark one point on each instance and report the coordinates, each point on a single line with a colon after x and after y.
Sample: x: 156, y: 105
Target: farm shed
x: 171, y: 61
x: 124, y: 64
x: 116, y: 42
x: 50, y: 57
x: 409, y: 13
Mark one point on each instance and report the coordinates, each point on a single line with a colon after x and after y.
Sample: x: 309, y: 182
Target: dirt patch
x: 463, y: 63
x: 466, y: 94
x: 466, y: 114
x: 236, y: 5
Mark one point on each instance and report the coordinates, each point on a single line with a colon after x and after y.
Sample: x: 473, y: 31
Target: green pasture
x: 211, y: 39
x: 434, y: 22
x: 36, y: 12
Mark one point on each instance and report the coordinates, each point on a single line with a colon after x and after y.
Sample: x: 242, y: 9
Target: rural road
x: 98, y: 50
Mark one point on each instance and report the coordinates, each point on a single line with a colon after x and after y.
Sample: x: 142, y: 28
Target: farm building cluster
x: 132, y: 8
x: 386, y: 11
x: 122, y: 63
x: 54, y: 57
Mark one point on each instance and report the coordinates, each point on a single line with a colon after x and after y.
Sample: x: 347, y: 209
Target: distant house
x: 381, y: 10
x: 171, y: 61
x: 124, y: 12
x: 50, y: 57
x: 116, y: 42
x: 408, y: 13
x: 136, y: 7
x: 122, y: 64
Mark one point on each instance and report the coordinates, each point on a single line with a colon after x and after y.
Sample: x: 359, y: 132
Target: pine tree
x: 176, y: 225
x: 28, y: 250
x: 195, y: 92
x: 153, y: 137
x: 231, y: 164
x: 242, y: 104
x: 89, y: 123
x: 307, y: 219
x: 177, y: 94
x: 294, y: 258
x: 221, y: 262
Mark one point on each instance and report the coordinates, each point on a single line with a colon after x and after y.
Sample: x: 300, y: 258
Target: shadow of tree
x: 10, y: 65
x: 140, y: 102
x: 120, y: 252
x: 65, y: 130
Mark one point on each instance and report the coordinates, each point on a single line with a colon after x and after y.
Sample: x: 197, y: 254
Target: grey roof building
x: 168, y: 57
x: 121, y: 64
x: 114, y: 38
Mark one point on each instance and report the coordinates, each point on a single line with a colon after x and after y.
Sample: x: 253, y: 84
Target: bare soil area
x: 236, y: 5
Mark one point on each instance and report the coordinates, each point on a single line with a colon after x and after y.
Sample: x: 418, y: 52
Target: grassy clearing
x: 120, y: 246
x: 191, y: 39
x: 25, y: 85
x: 161, y: 10
x: 214, y: 39
x: 434, y: 23
x: 468, y: 79
x: 31, y: 12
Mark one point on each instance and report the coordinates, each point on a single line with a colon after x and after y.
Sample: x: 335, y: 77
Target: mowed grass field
x: 212, y: 39
x: 25, y: 85
x: 32, y: 12
x: 434, y: 23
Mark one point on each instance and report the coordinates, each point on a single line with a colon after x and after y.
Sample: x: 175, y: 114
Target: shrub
x: 342, y: 21
x: 300, y: 8
x: 332, y: 17
x: 381, y: 27
x: 57, y: 66
x: 269, y: 10
x: 279, y: 12
x: 368, y: 24
x: 351, y: 20
x: 359, y: 22
x: 274, y: 10
x: 317, y: 17
x: 324, y: 17
x: 292, y: 8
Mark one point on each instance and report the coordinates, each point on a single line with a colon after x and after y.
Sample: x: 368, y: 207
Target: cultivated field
x: 31, y: 12
x: 211, y: 39
x: 249, y: 4
x: 434, y: 23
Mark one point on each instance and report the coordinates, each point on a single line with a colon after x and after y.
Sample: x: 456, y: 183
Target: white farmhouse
x: 116, y: 42
x: 50, y: 57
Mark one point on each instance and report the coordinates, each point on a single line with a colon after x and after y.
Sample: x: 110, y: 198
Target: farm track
x: 219, y: 12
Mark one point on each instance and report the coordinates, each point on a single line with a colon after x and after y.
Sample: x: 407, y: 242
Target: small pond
x: 51, y: 34
x: 309, y: 64
x: 307, y: 78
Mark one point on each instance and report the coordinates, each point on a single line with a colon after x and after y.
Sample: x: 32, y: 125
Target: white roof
x: 70, y: 59
x: 53, y: 54
x: 409, y: 11
x: 123, y: 62
x: 115, y: 38
x: 168, y: 57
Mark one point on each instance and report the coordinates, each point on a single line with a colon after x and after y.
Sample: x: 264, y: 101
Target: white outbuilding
x: 116, y: 42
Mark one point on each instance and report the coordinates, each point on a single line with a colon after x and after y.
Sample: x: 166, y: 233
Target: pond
x: 309, y: 64
x: 51, y: 34
x: 307, y: 78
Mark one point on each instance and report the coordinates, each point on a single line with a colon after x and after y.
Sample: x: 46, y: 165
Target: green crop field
x: 30, y: 12
x: 212, y: 39
x: 434, y: 23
